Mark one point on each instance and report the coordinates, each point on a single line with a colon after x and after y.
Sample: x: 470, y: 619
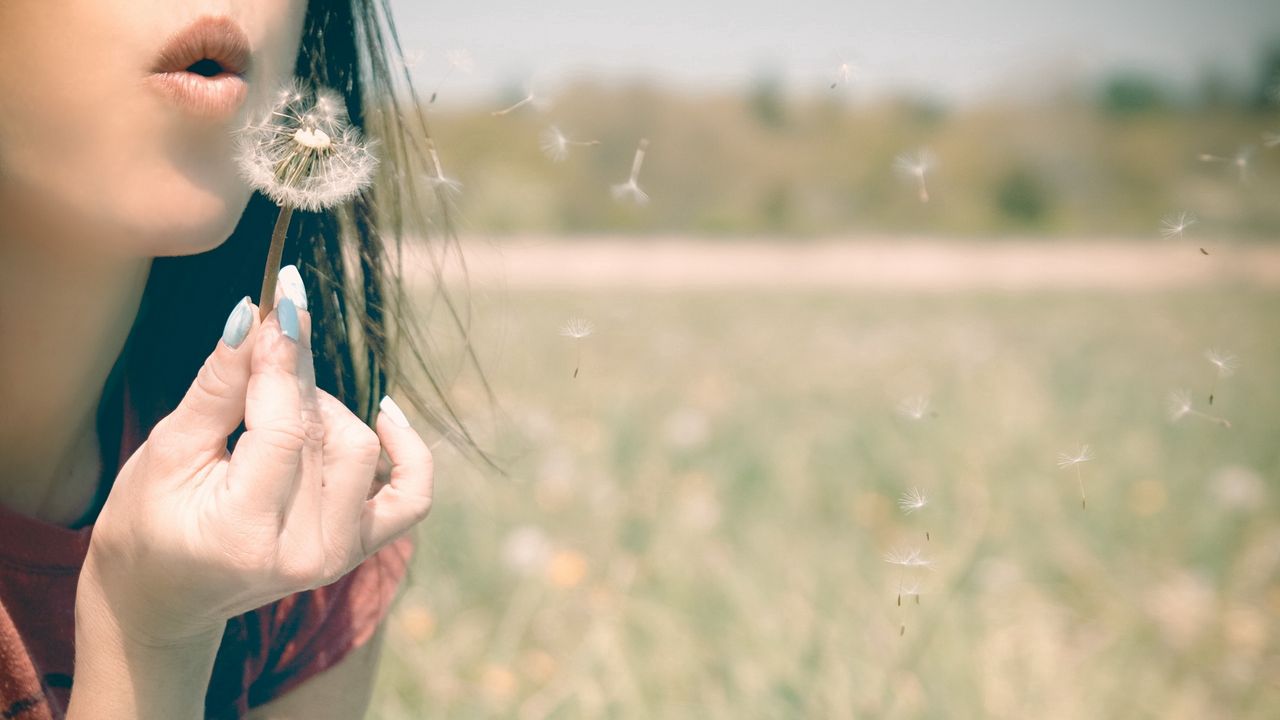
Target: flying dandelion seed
x: 631, y: 188
x: 844, y: 73
x: 577, y: 329
x: 1226, y: 364
x: 439, y: 179
x: 1066, y: 460
x: 1240, y: 161
x: 908, y: 557
x: 1173, y: 226
x: 1178, y: 405
x: 912, y: 500
x: 303, y: 155
x: 916, y: 167
x: 532, y: 99
x: 914, y: 408
x: 458, y: 61
x: 911, y: 590
x: 555, y: 144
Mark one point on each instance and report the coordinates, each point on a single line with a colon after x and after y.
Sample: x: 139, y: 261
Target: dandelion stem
x: 267, y: 299
x: 1212, y: 418
x: 1080, y: 482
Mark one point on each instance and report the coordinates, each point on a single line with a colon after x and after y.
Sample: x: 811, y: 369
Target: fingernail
x: 290, y: 283
x: 287, y: 314
x: 238, y: 324
x: 393, y: 411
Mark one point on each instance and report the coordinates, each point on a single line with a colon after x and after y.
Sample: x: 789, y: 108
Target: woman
x: 145, y: 570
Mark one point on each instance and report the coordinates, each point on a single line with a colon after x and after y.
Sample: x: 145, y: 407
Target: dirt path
x: 878, y: 264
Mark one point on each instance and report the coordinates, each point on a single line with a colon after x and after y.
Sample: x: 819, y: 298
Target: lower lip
x: 216, y: 97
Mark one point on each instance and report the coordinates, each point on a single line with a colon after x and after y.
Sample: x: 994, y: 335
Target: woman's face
x: 94, y: 152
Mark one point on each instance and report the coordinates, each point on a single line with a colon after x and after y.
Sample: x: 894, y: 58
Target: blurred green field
x: 696, y: 525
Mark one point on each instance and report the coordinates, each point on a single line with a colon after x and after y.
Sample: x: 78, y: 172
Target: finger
x: 214, y: 404
x: 306, y: 512
x: 351, y: 453
x: 266, y: 460
x: 406, y: 500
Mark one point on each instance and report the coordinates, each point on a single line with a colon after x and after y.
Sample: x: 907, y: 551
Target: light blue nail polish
x: 290, y: 283
x: 287, y: 313
x: 238, y: 324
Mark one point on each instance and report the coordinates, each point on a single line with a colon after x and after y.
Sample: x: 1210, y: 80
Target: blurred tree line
x: 1108, y: 160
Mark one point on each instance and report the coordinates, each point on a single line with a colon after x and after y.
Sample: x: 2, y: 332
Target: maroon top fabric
x: 264, y: 653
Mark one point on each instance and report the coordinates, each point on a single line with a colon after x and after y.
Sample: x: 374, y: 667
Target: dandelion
x: 916, y: 167
x: 912, y: 500
x: 1226, y: 364
x: 439, y: 179
x: 910, y: 589
x: 631, y: 188
x: 1179, y: 405
x: 914, y: 408
x: 577, y: 329
x: 1066, y: 460
x: 1240, y: 161
x: 556, y: 146
x: 536, y: 101
x: 458, y: 60
x: 1173, y: 226
x: 303, y: 155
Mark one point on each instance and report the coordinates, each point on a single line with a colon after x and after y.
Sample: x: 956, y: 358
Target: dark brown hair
x: 364, y: 331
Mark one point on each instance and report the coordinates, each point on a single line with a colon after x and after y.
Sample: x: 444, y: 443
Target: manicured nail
x: 238, y: 324
x: 393, y: 411
x: 287, y: 314
x: 290, y: 283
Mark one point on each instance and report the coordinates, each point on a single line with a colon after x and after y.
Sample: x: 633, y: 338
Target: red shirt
x: 264, y: 653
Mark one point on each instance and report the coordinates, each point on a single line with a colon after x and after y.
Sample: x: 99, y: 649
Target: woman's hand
x: 193, y: 535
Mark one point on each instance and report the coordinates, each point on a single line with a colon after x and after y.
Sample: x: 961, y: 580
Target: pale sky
x: 955, y: 49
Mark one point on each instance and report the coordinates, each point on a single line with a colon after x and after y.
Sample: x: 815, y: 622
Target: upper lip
x: 219, y: 39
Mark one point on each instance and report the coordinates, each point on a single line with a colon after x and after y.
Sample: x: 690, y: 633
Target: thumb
x: 214, y: 404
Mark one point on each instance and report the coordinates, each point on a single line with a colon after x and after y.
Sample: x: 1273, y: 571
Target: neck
x: 65, y: 314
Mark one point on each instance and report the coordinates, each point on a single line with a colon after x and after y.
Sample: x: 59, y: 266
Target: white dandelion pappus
x: 844, y: 73
x: 555, y: 145
x: 914, y: 408
x: 457, y: 60
x: 912, y: 500
x: 304, y: 154
x: 1066, y: 460
x: 631, y: 188
x: 915, y: 167
x: 1173, y: 226
x: 1225, y: 362
x: 909, y: 557
x: 1178, y: 405
x: 577, y: 328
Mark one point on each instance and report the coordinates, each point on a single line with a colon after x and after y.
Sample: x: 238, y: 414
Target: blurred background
x: 921, y: 365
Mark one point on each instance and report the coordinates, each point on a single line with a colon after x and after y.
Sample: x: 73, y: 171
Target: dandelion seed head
x: 577, y: 328
x: 1173, y: 226
x: 1066, y: 460
x: 912, y: 500
x: 1225, y: 362
x: 1178, y: 404
x: 303, y: 153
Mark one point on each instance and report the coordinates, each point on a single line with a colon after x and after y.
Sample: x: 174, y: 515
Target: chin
x: 206, y: 221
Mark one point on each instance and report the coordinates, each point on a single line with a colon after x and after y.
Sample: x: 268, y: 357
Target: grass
x: 697, y: 524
